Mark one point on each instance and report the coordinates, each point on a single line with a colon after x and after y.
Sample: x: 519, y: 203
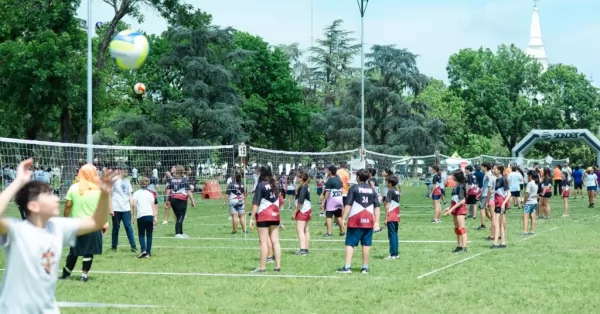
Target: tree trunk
x: 65, y: 124
x: 119, y: 14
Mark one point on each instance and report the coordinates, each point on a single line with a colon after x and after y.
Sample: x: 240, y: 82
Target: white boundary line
x: 476, y: 255
x: 256, y: 248
x: 295, y: 240
x: 106, y: 305
x: 213, y: 274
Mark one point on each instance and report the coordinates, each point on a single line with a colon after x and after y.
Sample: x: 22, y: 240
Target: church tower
x: 535, y: 48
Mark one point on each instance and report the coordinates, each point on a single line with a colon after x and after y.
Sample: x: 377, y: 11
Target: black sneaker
x: 342, y: 234
x: 277, y: 270
x: 233, y: 232
x: 270, y: 259
x: 502, y: 246
x: 328, y: 235
x: 64, y: 277
x: 143, y: 255
x: 83, y: 278
x: 457, y: 249
x: 133, y: 250
x: 494, y: 247
x: 364, y: 270
x: 469, y: 217
x: 481, y: 227
x: 344, y: 270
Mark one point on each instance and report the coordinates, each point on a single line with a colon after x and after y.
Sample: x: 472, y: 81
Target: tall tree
x: 494, y: 88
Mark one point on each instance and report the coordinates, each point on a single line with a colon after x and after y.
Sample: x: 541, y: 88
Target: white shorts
x: 236, y: 206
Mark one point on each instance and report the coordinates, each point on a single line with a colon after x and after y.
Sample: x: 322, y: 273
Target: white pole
x: 90, y: 154
x: 362, y: 82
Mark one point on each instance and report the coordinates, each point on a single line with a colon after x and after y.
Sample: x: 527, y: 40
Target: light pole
x: 362, y: 7
x: 90, y: 29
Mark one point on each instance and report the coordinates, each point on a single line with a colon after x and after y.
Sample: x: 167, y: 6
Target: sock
x: 347, y: 266
x: 365, y: 266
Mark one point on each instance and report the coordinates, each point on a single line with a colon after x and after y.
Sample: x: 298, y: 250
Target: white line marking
x: 476, y: 255
x: 295, y: 240
x: 453, y: 264
x: 105, y: 305
x: 230, y: 248
x: 213, y: 274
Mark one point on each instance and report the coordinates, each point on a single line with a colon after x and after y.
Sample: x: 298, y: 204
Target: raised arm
x: 23, y: 176
x: 96, y: 222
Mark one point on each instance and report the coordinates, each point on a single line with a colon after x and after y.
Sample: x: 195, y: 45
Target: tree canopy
x: 212, y: 85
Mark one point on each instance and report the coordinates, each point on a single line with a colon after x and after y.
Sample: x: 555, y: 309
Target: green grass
x: 553, y: 272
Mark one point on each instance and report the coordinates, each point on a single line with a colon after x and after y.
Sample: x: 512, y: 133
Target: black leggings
x: 179, y: 209
x: 557, y: 187
x: 72, y: 260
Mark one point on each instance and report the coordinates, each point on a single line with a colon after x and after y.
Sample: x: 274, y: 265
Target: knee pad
x: 462, y: 231
x: 457, y: 231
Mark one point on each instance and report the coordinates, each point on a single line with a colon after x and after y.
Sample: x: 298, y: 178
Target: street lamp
x: 362, y: 7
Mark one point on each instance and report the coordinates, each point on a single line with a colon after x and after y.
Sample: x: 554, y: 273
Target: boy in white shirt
x: 145, y: 205
x: 122, y: 199
x: 34, y: 246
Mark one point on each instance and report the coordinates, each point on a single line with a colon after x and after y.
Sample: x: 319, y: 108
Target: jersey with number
x: 179, y: 188
x: 235, y: 191
x: 500, y: 191
x: 393, y: 199
x: 472, y: 184
x: 32, y: 263
x: 363, y: 200
x: 267, y: 202
x: 303, y: 197
x: 335, y: 200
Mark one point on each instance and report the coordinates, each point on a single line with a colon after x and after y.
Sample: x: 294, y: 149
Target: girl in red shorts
x: 302, y: 212
x: 458, y: 209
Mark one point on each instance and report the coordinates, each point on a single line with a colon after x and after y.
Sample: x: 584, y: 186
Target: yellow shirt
x: 83, y: 205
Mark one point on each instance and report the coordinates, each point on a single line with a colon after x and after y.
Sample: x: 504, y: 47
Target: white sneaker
x: 391, y: 257
x: 179, y: 236
x: 565, y: 216
x: 165, y: 222
x: 229, y: 218
x: 185, y: 236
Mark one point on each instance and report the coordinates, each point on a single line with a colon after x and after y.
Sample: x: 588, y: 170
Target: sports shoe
x: 64, y: 277
x: 391, y: 257
x: 481, y: 227
x: 344, y: 270
x: 133, y: 250
x: 327, y: 235
x: 143, y: 255
x: 229, y: 218
x: 457, y: 249
x: 321, y: 215
x: 258, y: 270
x: 179, y: 236
x: 364, y: 271
x: 342, y: 234
x: 83, y: 278
x: 502, y: 246
x: 165, y: 222
x: 277, y: 270
x: 302, y: 252
x: 185, y: 235
x: 270, y: 259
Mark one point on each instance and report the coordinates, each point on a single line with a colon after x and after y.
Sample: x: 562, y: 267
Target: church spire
x: 535, y: 48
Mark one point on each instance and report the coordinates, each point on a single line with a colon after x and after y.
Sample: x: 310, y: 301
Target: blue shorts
x: 436, y: 197
x: 591, y: 188
x: 356, y: 235
x: 529, y: 208
x: 319, y: 191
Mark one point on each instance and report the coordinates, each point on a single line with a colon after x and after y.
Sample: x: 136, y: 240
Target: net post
x: 437, y: 158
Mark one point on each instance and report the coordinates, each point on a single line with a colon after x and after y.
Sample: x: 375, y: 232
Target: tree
x: 494, y: 88
x: 209, y: 109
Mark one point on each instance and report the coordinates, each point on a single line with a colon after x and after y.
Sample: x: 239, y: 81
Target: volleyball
x: 139, y: 88
x: 130, y: 49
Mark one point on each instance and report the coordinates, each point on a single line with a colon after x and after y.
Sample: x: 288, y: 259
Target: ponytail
x: 274, y: 186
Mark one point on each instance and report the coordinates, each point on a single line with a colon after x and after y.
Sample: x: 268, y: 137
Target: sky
x: 433, y: 29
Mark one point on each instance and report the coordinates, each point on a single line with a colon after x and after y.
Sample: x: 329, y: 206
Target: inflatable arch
x: 581, y: 135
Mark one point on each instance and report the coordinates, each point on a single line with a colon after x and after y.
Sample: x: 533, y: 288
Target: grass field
x: 551, y: 272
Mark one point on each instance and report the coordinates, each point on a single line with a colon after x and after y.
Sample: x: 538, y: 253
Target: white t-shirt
x: 121, y: 193
x: 134, y: 173
x: 33, y: 258
x: 591, y: 179
x: 515, y: 179
x: 144, y: 201
x: 229, y: 180
x: 532, y: 190
x: 155, y: 173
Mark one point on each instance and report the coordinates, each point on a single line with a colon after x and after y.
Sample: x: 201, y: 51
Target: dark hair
x: 460, y: 177
x: 144, y: 182
x: 436, y: 168
x: 534, y: 176
x: 238, y: 177
x: 363, y: 175
x: 389, y: 172
x: 30, y: 192
x: 500, y: 168
x: 469, y: 168
x: 487, y: 166
x: 332, y: 169
x: 576, y: 168
x: 513, y: 168
x: 266, y: 174
x: 392, y: 180
x: 547, y: 173
x: 303, y: 175
x: 559, y: 166
x: 373, y: 171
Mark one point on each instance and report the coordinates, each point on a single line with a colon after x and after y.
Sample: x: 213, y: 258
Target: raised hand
x: 107, y: 180
x: 24, y: 171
